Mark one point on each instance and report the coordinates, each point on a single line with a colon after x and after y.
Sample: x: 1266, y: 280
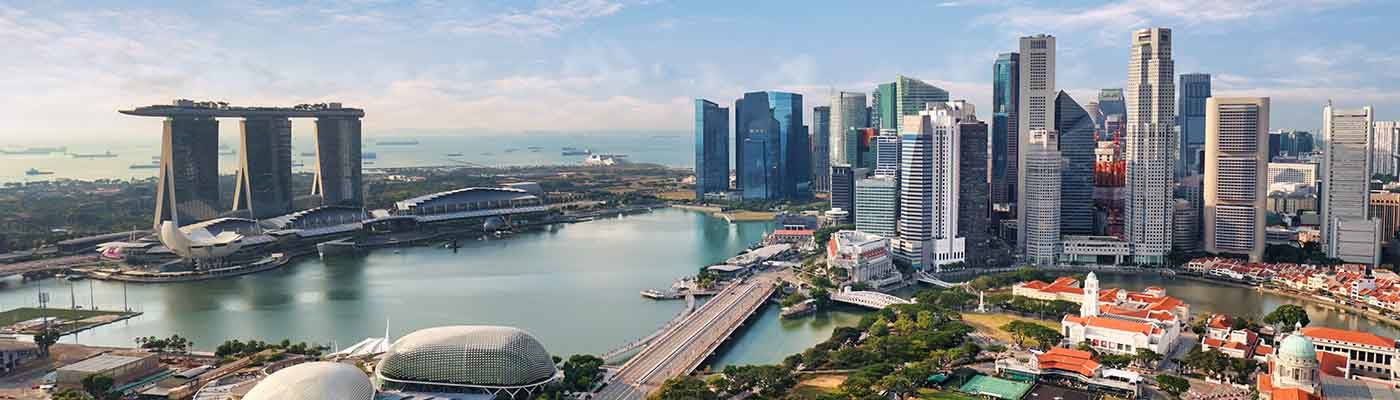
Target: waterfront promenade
x: 681, y: 349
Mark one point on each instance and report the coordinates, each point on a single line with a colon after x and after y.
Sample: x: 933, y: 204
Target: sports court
x: 983, y: 385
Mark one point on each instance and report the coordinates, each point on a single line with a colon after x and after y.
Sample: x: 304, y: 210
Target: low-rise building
x: 865, y: 257
x: 122, y: 367
x: 1059, y: 364
x: 1132, y: 321
x: 1369, y: 356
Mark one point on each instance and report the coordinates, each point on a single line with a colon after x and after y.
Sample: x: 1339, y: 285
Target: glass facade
x: 821, y: 149
x: 711, y: 148
x: 913, y: 95
x: 843, y: 190
x: 877, y: 205
x: 263, y: 186
x: 1005, y: 92
x: 1191, y: 104
x: 188, y: 191
x: 885, y: 106
x: 772, y: 154
x: 973, y: 200
x: 1114, y: 111
x: 338, y: 162
x: 795, y: 153
x: 1076, y: 145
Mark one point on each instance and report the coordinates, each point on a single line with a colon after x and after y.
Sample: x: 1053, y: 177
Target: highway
x: 682, y: 348
x: 46, y: 264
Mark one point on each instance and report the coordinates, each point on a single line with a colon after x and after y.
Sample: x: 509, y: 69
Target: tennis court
x: 983, y: 385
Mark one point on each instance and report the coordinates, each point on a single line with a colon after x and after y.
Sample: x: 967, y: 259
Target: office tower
x: 1041, y: 200
x: 1075, y: 137
x: 1385, y: 154
x: 1346, y: 176
x: 1006, y: 95
x: 263, y: 185
x: 1294, y: 144
x: 1236, y: 168
x: 711, y: 148
x: 188, y: 190
x: 928, y: 186
x: 974, y: 200
x: 1184, y: 235
x: 911, y: 97
x: 1286, y: 172
x: 865, y: 147
x: 847, y: 117
x: 1191, y: 107
x: 1115, y: 114
x: 1275, y: 144
x: 795, y: 154
x: 758, y: 151
x: 886, y: 113
x: 821, y: 149
x: 1187, y: 228
x: 1150, y: 145
x: 887, y: 153
x: 843, y: 190
x: 1035, y: 107
x: 877, y: 205
x: 339, y: 178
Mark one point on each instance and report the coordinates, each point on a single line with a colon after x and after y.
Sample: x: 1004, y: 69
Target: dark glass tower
x: 711, y: 148
x: 1005, y: 94
x: 338, y: 174
x: 843, y: 190
x: 885, y: 102
x: 758, y: 143
x: 1191, y: 117
x: 821, y: 149
x: 263, y: 186
x: 795, y: 158
x: 974, y: 206
x: 188, y: 190
x: 1076, y: 145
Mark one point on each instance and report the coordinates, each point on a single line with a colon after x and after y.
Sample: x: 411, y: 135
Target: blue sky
x: 486, y: 67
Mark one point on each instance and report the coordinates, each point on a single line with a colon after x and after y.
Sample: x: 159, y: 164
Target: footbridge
x: 875, y: 300
x: 935, y: 281
x: 681, y: 347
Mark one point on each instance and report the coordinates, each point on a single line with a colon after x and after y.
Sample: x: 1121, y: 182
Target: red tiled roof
x: 793, y: 232
x: 1079, y: 362
x: 1037, y: 285
x: 1342, y: 335
x: 1263, y: 350
x: 1110, y: 323
x: 1332, y: 364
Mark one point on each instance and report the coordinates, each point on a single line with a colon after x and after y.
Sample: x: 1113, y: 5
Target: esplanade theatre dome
x: 486, y: 359
x: 314, y: 381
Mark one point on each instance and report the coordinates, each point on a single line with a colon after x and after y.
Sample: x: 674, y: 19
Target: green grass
x: 27, y: 313
x: 931, y: 394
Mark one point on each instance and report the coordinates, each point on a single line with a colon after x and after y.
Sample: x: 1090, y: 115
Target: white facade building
x: 865, y: 257
x: 1385, y: 153
x: 1120, y: 334
x: 928, y: 195
x: 1346, y: 177
x: 1040, y: 201
x: 848, y: 113
x: 1036, y: 108
x: 1151, y: 144
x: 877, y: 205
x: 1237, y: 154
x: 1283, y: 172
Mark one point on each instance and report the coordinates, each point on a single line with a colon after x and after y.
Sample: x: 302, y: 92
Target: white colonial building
x: 1118, y: 329
x: 865, y: 258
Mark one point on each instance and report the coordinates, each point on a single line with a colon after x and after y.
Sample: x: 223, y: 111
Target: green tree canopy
x: 1287, y: 316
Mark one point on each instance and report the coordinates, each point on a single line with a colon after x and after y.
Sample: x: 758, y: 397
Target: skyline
x: 620, y: 66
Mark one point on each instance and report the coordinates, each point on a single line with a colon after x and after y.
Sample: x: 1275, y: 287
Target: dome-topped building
x: 492, y: 360
x: 314, y: 381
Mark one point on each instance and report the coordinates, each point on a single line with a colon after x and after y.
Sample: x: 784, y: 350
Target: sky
x: 624, y: 66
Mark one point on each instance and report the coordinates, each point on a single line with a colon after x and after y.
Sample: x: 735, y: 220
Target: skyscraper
x: 263, y: 185
x: 1035, y: 107
x: 1041, y: 200
x: 711, y: 148
x: 821, y: 149
x: 772, y: 156
x: 1006, y: 95
x: 974, y: 201
x: 1346, y: 176
x: 887, y: 153
x: 188, y: 190
x: 1195, y: 88
x: 339, y: 161
x: 928, y: 213
x: 1150, y: 146
x: 1236, y: 168
x: 911, y: 97
x: 1075, y: 134
x: 847, y: 117
x: 843, y: 190
x: 1115, y: 114
x: 795, y: 157
x: 877, y: 205
x: 1385, y: 154
x: 886, y: 114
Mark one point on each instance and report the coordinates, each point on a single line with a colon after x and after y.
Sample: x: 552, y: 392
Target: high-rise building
x: 263, y: 185
x: 886, y: 115
x: 877, y: 205
x: 848, y: 116
x: 1041, y: 200
x: 928, y: 186
x: 1115, y: 114
x: 795, y: 156
x: 711, y: 148
x: 821, y: 149
x: 1385, y: 157
x: 887, y: 153
x: 1006, y: 96
x: 1236, y: 170
x: 188, y: 190
x: 1191, y: 107
x: 912, y: 96
x: 1346, y: 176
x: 1035, y: 107
x: 974, y: 201
x: 1294, y: 144
x: 339, y: 163
x: 843, y: 190
x: 1075, y: 137
x: 1150, y: 145
x: 772, y: 153
x: 1184, y: 235
x: 1192, y: 190
x: 865, y: 146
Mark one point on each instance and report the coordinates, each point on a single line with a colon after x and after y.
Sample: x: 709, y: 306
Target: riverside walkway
x: 681, y: 348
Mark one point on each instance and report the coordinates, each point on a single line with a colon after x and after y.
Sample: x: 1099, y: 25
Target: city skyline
x: 483, y: 68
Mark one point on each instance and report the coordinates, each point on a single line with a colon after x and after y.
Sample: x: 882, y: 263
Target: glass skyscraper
x: 1005, y: 92
x: 1076, y: 145
x: 821, y: 149
x: 795, y: 158
x: 885, y: 102
x: 1115, y: 113
x: 912, y: 96
x: 711, y: 148
x: 1191, y: 117
x: 772, y: 156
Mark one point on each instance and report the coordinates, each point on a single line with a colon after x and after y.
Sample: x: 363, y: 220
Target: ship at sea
x: 107, y: 154
x: 36, y: 171
x: 153, y: 165
x: 36, y: 150
x: 571, y: 151
x: 405, y: 142
x: 453, y: 154
x: 308, y: 154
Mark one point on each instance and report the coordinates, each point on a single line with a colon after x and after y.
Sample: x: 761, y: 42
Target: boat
x: 36, y: 171
x: 145, y: 166
x: 486, y: 153
x: 336, y: 247
x: 453, y: 154
x: 570, y: 151
x: 227, y: 152
x: 37, y: 150
x: 512, y: 150
x: 369, y: 156
x: 535, y: 148
x: 405, y: 142
x: 107, y: 154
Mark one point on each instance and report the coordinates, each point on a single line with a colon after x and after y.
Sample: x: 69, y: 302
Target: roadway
x: 56, y: 263
x: 682, y: 348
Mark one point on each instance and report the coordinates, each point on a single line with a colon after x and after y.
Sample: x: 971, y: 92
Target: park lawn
x: 816, y: 386
x: 680, y: 195
x: 932, y: 394
x: 27, y: 313
x: 740, y: 216
x: 990, y: 325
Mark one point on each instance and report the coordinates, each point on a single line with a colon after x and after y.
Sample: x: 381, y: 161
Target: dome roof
x: 314, y: 381
x: 486, y: 356
x: 1298, y: 346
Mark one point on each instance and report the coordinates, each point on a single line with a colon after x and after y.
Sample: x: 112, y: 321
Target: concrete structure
x: 1237, y: 134
x: 974, y: 204
x: 912, y: 97
x: 1293, y: 372
x: 1035, y: 108
x: 848, y: 114
x: 711, y: 148
x: 1356, y: 240
x: 1151, y: 145
x: 483, y: 360
x: 1290, y: 172
x: 1346, y: 176
x: 868, y: 299
x: 263, y: 186
x: 1040, y: 202
x: 843, y: 189
x: 1191, y: 109
x: 122, y: 367
x: 1385, y: 148
x: 13, y: 353
x: 821, y: 149
x: 1093, y: 250
x: 338, y: 161
x: 865, y: 258
x: 1385, y: 208
x: 877, y: 205
x: 318, y: 380
x: 1006, y: 96
x: 1116, y: 329
x: 928, y: 216
x: 1075, y: 135
x: 1369, y: 356
x: 1186, y: 233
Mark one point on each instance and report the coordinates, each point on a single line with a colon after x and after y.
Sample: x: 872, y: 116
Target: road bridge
x: 867, y: 299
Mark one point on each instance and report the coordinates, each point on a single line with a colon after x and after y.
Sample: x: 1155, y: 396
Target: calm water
x: 575, y: 288
x: 668, y: 150
x: 1205, y: 297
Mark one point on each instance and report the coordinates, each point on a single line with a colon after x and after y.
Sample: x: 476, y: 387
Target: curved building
x: 314, y: 381
x: 492, y: 360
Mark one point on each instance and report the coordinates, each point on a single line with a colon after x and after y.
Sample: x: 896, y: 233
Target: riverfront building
x: 928, y: 215
x: 1006, y: 89
x: 1123, y: 329
x: 1346, y: 176
x: 497, y: 361
x: 1041, y: 201
x: 711, y: 148
x: 821, y: 149
x: 1075, y: 134
x: 1385, y: 153
x: 974, y: 204
x: 877, y: 205
x: 1191, y: 107
x: 1237, y: 133
x: 1035, y: 109
x: 1151, y: 145
x: 865, y: 257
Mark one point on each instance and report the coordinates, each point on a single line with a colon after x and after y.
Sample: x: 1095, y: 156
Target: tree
x: 70, y: 394
x: 1173, y: 385
x: 684, y: 388
x: 1286, y: 316
x: 45, y: 339
x: 581, y: 372
x: 1146, y: 358
x: 98, y: 386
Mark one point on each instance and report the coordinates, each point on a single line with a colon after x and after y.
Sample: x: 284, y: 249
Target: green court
x: 983, y: 385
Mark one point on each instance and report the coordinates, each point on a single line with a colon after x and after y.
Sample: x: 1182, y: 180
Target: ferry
x: 107, y: 154
x: 406, y: 142
x: 453, y: 154
x: 145, y: 166
x: 570, y: 151
x: 36, y: 150
x: 36, y: 171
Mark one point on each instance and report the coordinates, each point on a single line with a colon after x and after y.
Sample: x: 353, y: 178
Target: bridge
x: 681, y: 347
x: 617, y: 352
x: 933, y: 280
x: 875, y: 300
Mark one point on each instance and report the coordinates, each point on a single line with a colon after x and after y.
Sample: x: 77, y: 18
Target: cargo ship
x: 406, y: 142
x: 36, y: 150
x: 570, y: 151
x: 107, y: 154
x: 36, y: 171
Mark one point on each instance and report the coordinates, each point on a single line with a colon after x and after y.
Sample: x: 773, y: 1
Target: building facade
x: 1286, y: 172
x: 1041, y: 200
x: 1035, y: 107
x: 711, y: 148
x: 1385, y: 207
x: 1115, y: 114
x: 1006, y: 95
x: 928, y: 213
x: 974, y: 202
x: 1346, y: 176
x: 1385, y: 152
x: 864, y: 256
x: 1075, y: 133
x: 263, y: 185
x: 843, y: 190
x: 848, y: 115
x: 887, y: 153
x: 772, y: 153
x: 1151, y: 147
x: 912, y: 96
x: 1236, y: 149
x: 877, y: 205
x: 821, y: 149
x: 1191, y: 106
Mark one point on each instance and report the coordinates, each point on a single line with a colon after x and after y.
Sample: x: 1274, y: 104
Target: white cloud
x: 1112, y: 21
x: 546, y: 20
